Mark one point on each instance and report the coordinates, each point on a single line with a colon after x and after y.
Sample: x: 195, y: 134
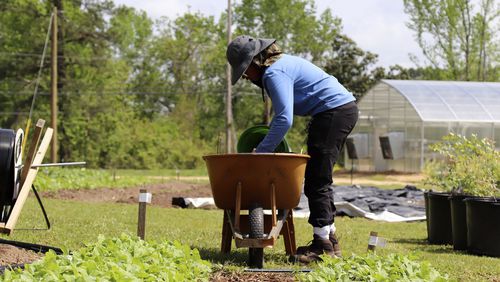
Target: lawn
x: 74, y: 223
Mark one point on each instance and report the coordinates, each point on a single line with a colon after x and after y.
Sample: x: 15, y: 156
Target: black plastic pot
x: 483, y: 226
x: 458, y: 222
x: 438, y: 218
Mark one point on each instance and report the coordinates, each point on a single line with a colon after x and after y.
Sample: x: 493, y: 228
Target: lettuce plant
x: 372, y: 268
x: 125, y: 258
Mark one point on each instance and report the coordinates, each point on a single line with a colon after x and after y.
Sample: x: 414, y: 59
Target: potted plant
x: 482, y: 173
x: 437, y: 204
x: 469, y: 169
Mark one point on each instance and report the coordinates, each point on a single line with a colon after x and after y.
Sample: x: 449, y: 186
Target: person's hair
x: 268, y: 56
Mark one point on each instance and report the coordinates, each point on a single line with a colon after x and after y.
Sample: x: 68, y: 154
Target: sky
x: 378, y: 26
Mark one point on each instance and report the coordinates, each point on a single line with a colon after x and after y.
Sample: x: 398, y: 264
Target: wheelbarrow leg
x: 227, y: 235
x: 288, y: 233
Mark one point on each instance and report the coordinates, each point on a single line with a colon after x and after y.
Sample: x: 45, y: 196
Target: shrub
x: 372, y: 268
x: 118, y: 259
x: 470, y: 166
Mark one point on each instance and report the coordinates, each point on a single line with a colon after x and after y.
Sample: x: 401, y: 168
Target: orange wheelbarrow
x: 257, y: 182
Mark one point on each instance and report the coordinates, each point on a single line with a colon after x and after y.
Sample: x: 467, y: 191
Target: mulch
x: 11, y: 255
x: 225, y: 276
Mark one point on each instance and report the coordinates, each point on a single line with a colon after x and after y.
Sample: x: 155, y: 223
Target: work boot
x: 336, y: 246
x: 312, y: 252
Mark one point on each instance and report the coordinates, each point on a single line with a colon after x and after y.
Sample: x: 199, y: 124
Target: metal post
x: 352, y: 169
x: 422, y: 146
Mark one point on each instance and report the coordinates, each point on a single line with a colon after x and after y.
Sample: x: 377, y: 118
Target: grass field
x: 75, y: 223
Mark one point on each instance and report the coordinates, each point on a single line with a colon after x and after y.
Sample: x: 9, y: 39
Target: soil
x: 11, y: 255
x: 224, y: 276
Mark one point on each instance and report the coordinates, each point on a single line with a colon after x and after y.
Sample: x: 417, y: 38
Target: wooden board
x: 32, y: 150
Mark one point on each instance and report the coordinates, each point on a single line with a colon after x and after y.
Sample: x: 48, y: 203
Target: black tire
x: 7, y: 140
x: 256, y: 222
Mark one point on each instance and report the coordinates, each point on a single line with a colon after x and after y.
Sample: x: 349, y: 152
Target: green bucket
x: 252, y: 136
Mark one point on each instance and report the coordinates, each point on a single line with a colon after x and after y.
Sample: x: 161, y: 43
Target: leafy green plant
x: 470, y: 166
x: 124, y: 258
x: 372, y: 267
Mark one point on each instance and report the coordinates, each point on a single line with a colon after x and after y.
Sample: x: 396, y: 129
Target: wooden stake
x: 144, y: 198
x: 372, y: 242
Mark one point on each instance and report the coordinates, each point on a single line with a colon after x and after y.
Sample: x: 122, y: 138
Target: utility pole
x: 53, y: 88
x: 229, y: 106
x: 62, y: 150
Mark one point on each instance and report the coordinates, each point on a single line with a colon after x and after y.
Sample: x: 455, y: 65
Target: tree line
x: 139, y: 93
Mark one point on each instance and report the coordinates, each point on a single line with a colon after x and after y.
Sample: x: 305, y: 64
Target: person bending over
x: 298, y: 87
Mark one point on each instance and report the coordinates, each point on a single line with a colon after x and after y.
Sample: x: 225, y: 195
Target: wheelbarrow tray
x: 256, y: 174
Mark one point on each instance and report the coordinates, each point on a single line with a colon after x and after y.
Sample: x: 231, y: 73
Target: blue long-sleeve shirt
x: 296, y: 86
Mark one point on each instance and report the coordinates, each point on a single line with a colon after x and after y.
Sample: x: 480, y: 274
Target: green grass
x: 52, y: 179
x: 75, y: 223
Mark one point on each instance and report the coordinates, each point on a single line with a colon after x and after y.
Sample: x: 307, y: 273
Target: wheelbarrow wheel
x: 256, y: 220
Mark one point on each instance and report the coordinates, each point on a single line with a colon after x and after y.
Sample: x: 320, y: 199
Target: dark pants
x: 327, y: 133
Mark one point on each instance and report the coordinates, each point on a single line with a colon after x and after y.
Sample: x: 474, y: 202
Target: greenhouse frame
x: 399, y: 119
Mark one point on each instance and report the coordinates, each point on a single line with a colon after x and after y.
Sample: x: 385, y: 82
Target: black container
x: 438, y: 218
x: 483, y: 226
x: 458, y: 222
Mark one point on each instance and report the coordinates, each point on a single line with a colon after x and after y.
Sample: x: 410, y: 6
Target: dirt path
x: 162, y: 194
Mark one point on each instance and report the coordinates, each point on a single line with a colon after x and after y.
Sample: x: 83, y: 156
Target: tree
x: 455, y: 36
x: 191, y: 52
x: 19, y: 59
x: 131, y: 97
x: 351, y: 66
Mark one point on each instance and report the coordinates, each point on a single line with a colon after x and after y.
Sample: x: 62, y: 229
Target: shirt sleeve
x: 279, y: 86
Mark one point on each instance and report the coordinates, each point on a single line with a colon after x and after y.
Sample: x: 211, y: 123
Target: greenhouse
x: 399, y: 119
